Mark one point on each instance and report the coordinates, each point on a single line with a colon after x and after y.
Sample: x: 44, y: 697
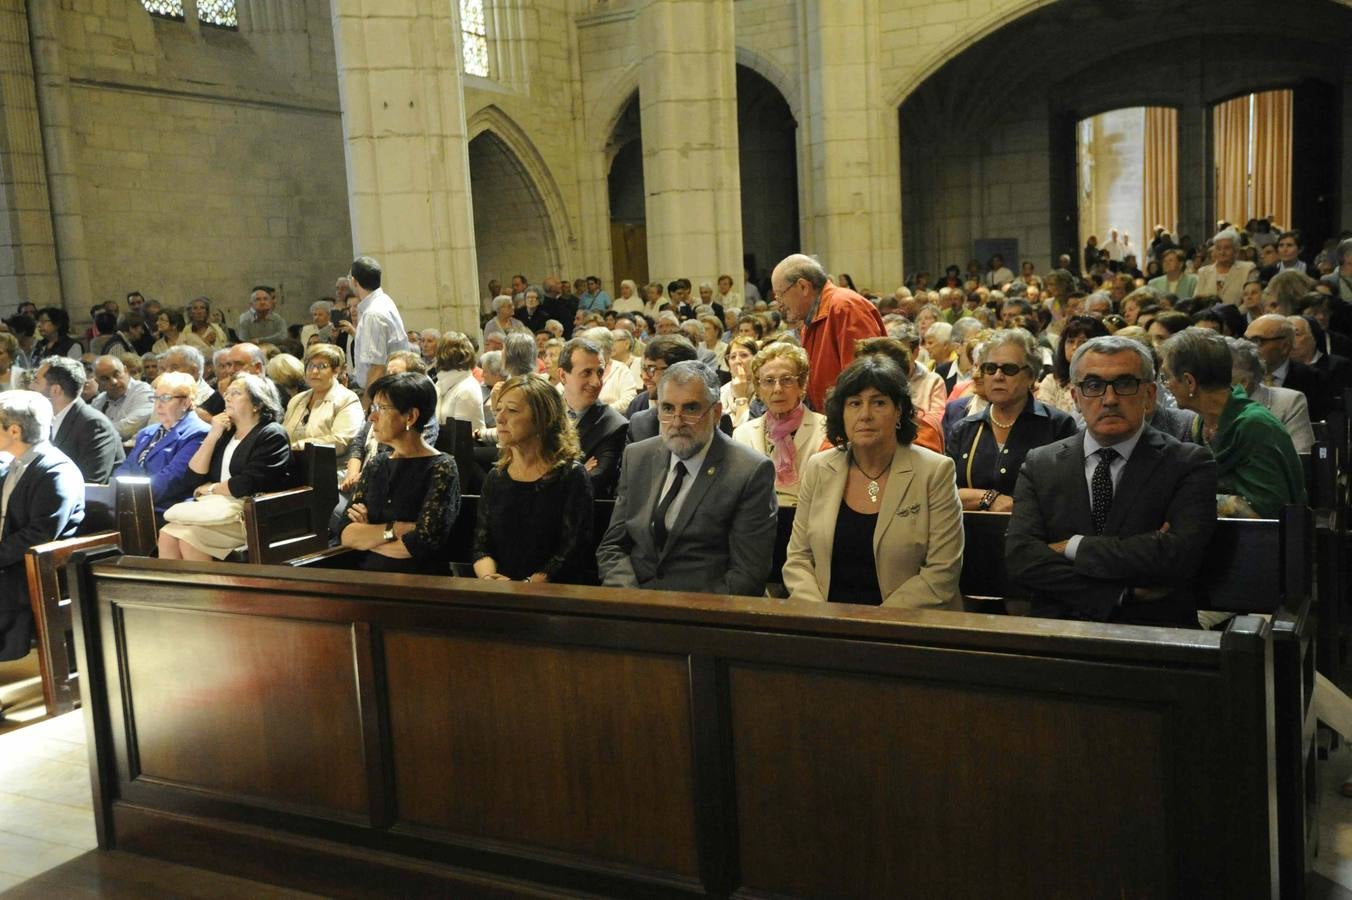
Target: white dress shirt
x: 1091, y: 461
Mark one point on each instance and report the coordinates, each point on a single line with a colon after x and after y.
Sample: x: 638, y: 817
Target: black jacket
x: 91, y: 441
x: 601, y: 432
x: 261, y: 463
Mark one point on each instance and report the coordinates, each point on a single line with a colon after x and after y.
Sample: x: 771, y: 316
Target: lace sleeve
x: 575, y: 519
x: 483, y: 533
x: 439, y: 511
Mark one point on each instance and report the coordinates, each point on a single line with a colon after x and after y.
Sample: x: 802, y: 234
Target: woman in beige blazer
x: 878, y: 520
x: 327, y: 413
x: 789, y: 432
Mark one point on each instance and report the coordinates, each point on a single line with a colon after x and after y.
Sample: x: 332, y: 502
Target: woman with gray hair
x: 503, y: 321
x: 246, y: 452
x: 618, y: 387
x: 1258, y: 471
x: 1289, y: 406
x: 988, y: 447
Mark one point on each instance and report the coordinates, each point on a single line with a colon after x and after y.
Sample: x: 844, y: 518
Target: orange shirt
x: 842, y: 318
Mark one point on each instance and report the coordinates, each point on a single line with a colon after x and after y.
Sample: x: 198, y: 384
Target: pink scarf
x: 780, y: 429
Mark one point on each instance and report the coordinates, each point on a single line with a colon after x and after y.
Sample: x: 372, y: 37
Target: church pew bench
x: 125, y: 506
x: 45, y: 565
x: 454, y: 736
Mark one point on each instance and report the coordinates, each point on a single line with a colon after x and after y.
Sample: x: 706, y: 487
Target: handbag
x: 209, y: 509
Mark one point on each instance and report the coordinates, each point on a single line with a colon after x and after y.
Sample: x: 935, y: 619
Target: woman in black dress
x: 535, y: 513
x: 408, y: 497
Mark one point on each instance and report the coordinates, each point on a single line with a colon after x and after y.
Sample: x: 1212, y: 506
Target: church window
x: 474, y: 37
x: 168, y: 9
x: 220, y: 13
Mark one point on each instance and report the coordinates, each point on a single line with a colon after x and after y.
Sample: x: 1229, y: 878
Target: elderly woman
x: 171, y: 327
x: 503, y: 321
x: 245, y: 452
x: 1258, y: 471
x: 161, y: 451
x: 288, y: 374
x: 713, y: 339
x: 1288, y: 405
x: 12, y: 378
x: 535, y: 513
x: 628, y: 300
x: 1284, y: 292
x: 409, y: 496
x: 459, y: 394
x: 1054, y: 389
x: 532, y: 315
x: 201, y: 326
x: 737, y: 394
x: 989, y: 447
x: 54, y: 336
x: 326, y: 413
x: 618, y: 385
x: 789, y: 432
x: 878, y: 520
x: 1175, y: 280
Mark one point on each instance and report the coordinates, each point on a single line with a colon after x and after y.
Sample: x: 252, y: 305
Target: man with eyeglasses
x: 832, y: 318
x: 600, y: 429
x: 126, y: 402
x: 661, y: 354
x: 163, y: 448
x: 1111, y: 524
x: 1275, y: 338
x: 695, y: 511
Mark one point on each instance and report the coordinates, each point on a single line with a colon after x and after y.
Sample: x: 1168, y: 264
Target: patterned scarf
x: 780, y: 429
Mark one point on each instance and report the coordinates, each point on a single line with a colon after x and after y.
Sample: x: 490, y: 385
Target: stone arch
x: 767, y: 145
x: 767, y: 69
x: 622, y: 88
x: 533, y: 166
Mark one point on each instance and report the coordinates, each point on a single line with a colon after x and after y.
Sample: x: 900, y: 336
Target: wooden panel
x: 578, y: 750
x: 244, y: 705
x: 864, y: 787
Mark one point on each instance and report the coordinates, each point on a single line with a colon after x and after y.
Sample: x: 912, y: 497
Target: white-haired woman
x: 618, y: 387
x: 503, y: 322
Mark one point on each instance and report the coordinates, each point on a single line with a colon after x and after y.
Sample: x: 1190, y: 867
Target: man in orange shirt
x: 831, y: 317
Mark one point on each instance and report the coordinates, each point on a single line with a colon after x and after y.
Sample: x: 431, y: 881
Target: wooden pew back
x: 413, y: 735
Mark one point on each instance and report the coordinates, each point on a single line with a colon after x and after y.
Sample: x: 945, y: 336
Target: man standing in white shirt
x: 380, y: 329
x: 1113, y: 248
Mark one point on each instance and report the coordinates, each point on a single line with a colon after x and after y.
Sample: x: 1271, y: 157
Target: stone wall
x: 512, y: 233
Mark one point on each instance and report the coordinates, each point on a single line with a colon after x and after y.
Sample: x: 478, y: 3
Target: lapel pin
x: 710, y: 471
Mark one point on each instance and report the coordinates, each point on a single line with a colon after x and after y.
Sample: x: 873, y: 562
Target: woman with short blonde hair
x: 459, y: 394
x: 327, y: 412
x: 789, y: 432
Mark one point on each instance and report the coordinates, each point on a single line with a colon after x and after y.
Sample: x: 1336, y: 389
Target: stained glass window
x: 170, y: 9
x: 217, y: 12
x: 474, y: 34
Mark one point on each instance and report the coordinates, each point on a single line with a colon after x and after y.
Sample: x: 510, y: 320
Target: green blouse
x: 1255, y: 457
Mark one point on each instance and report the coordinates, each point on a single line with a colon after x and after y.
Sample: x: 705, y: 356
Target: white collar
x: 1124, y: 448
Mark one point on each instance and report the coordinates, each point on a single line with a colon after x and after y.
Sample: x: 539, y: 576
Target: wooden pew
x: 126, y: 506
x: 451, y: 736
x: 47, y: 593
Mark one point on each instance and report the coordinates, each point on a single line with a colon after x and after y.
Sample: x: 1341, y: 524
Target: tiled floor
x: 46, y: 811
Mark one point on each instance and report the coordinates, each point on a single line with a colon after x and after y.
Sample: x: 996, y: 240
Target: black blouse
x: 854, y: 572
x: 982, y: 463
x: 421, y: 489
x: 538, y: 526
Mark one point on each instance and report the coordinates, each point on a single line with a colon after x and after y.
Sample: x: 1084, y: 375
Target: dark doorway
x: 628, y: 203
x: 767, y: 140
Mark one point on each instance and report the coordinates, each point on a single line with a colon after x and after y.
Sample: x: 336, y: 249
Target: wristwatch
x: 389, y: 532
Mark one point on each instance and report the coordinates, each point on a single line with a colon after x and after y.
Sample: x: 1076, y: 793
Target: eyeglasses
x: 653, y: 371
x: 1260, y: 340
x: 1122, y: 385
x: 784, y: 381
x: 687, y: 415
x: 169, y: 398
x: 379, y: 408
x: 1009, y: 370
x: 316, y: 364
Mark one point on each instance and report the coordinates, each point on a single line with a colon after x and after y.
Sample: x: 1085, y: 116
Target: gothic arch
x: 621, y: 90
x: 772, y: 73
x: 534, y: 169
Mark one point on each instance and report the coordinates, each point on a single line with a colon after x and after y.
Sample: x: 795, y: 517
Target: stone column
x: 28, y: 268
x: 849, y: 146
x: 688, y: 106
x: 407, y: 158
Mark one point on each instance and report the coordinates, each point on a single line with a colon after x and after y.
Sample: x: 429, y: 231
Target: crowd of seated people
x: 703, y: 416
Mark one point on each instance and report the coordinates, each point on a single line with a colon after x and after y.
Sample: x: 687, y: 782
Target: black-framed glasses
x: 1009, y: 370
x: 1122, y: 385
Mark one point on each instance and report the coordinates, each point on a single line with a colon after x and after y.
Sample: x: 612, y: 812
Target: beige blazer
x: 335, y: 420
x: 1232, y: 290
x: 807, y: 440
x: 917, y: 543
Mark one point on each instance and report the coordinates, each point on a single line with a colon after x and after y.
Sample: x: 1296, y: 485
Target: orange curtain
x: 1231, y: 125
x: 1272, y: 156
x: 1159, y: 201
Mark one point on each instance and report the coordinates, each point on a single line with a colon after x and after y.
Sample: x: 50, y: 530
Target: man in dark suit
x: 1275, y: 336
x: 696, y: 511
x: 78, y: 430
x: 42, y: 500
x: 600, y: 429
x: 1111, y: 524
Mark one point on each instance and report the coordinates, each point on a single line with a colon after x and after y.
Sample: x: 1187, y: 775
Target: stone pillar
x: 688, y: 107
x: 407, y: 158
x: 28, y: 268
x: 849, y: 146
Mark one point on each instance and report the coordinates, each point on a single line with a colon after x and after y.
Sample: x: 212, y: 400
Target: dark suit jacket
x: 91, y: 441
x: 1336, y: 373
x: 47, y: 504
x: 1309, y: 381
x: 167, y: 465
x: 601, y: 432
x: 1164, y: 481
x: 261, y: 463
x: 723, y: 539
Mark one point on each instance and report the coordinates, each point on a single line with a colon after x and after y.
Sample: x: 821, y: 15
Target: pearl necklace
x: 998, y: 423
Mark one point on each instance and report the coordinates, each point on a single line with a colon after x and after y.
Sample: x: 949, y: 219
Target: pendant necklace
x: 873, y: 490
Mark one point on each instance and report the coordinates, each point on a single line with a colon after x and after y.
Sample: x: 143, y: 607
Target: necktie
x: 1101, y: 488
x: 660, y: 517
x: 159, y: 436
